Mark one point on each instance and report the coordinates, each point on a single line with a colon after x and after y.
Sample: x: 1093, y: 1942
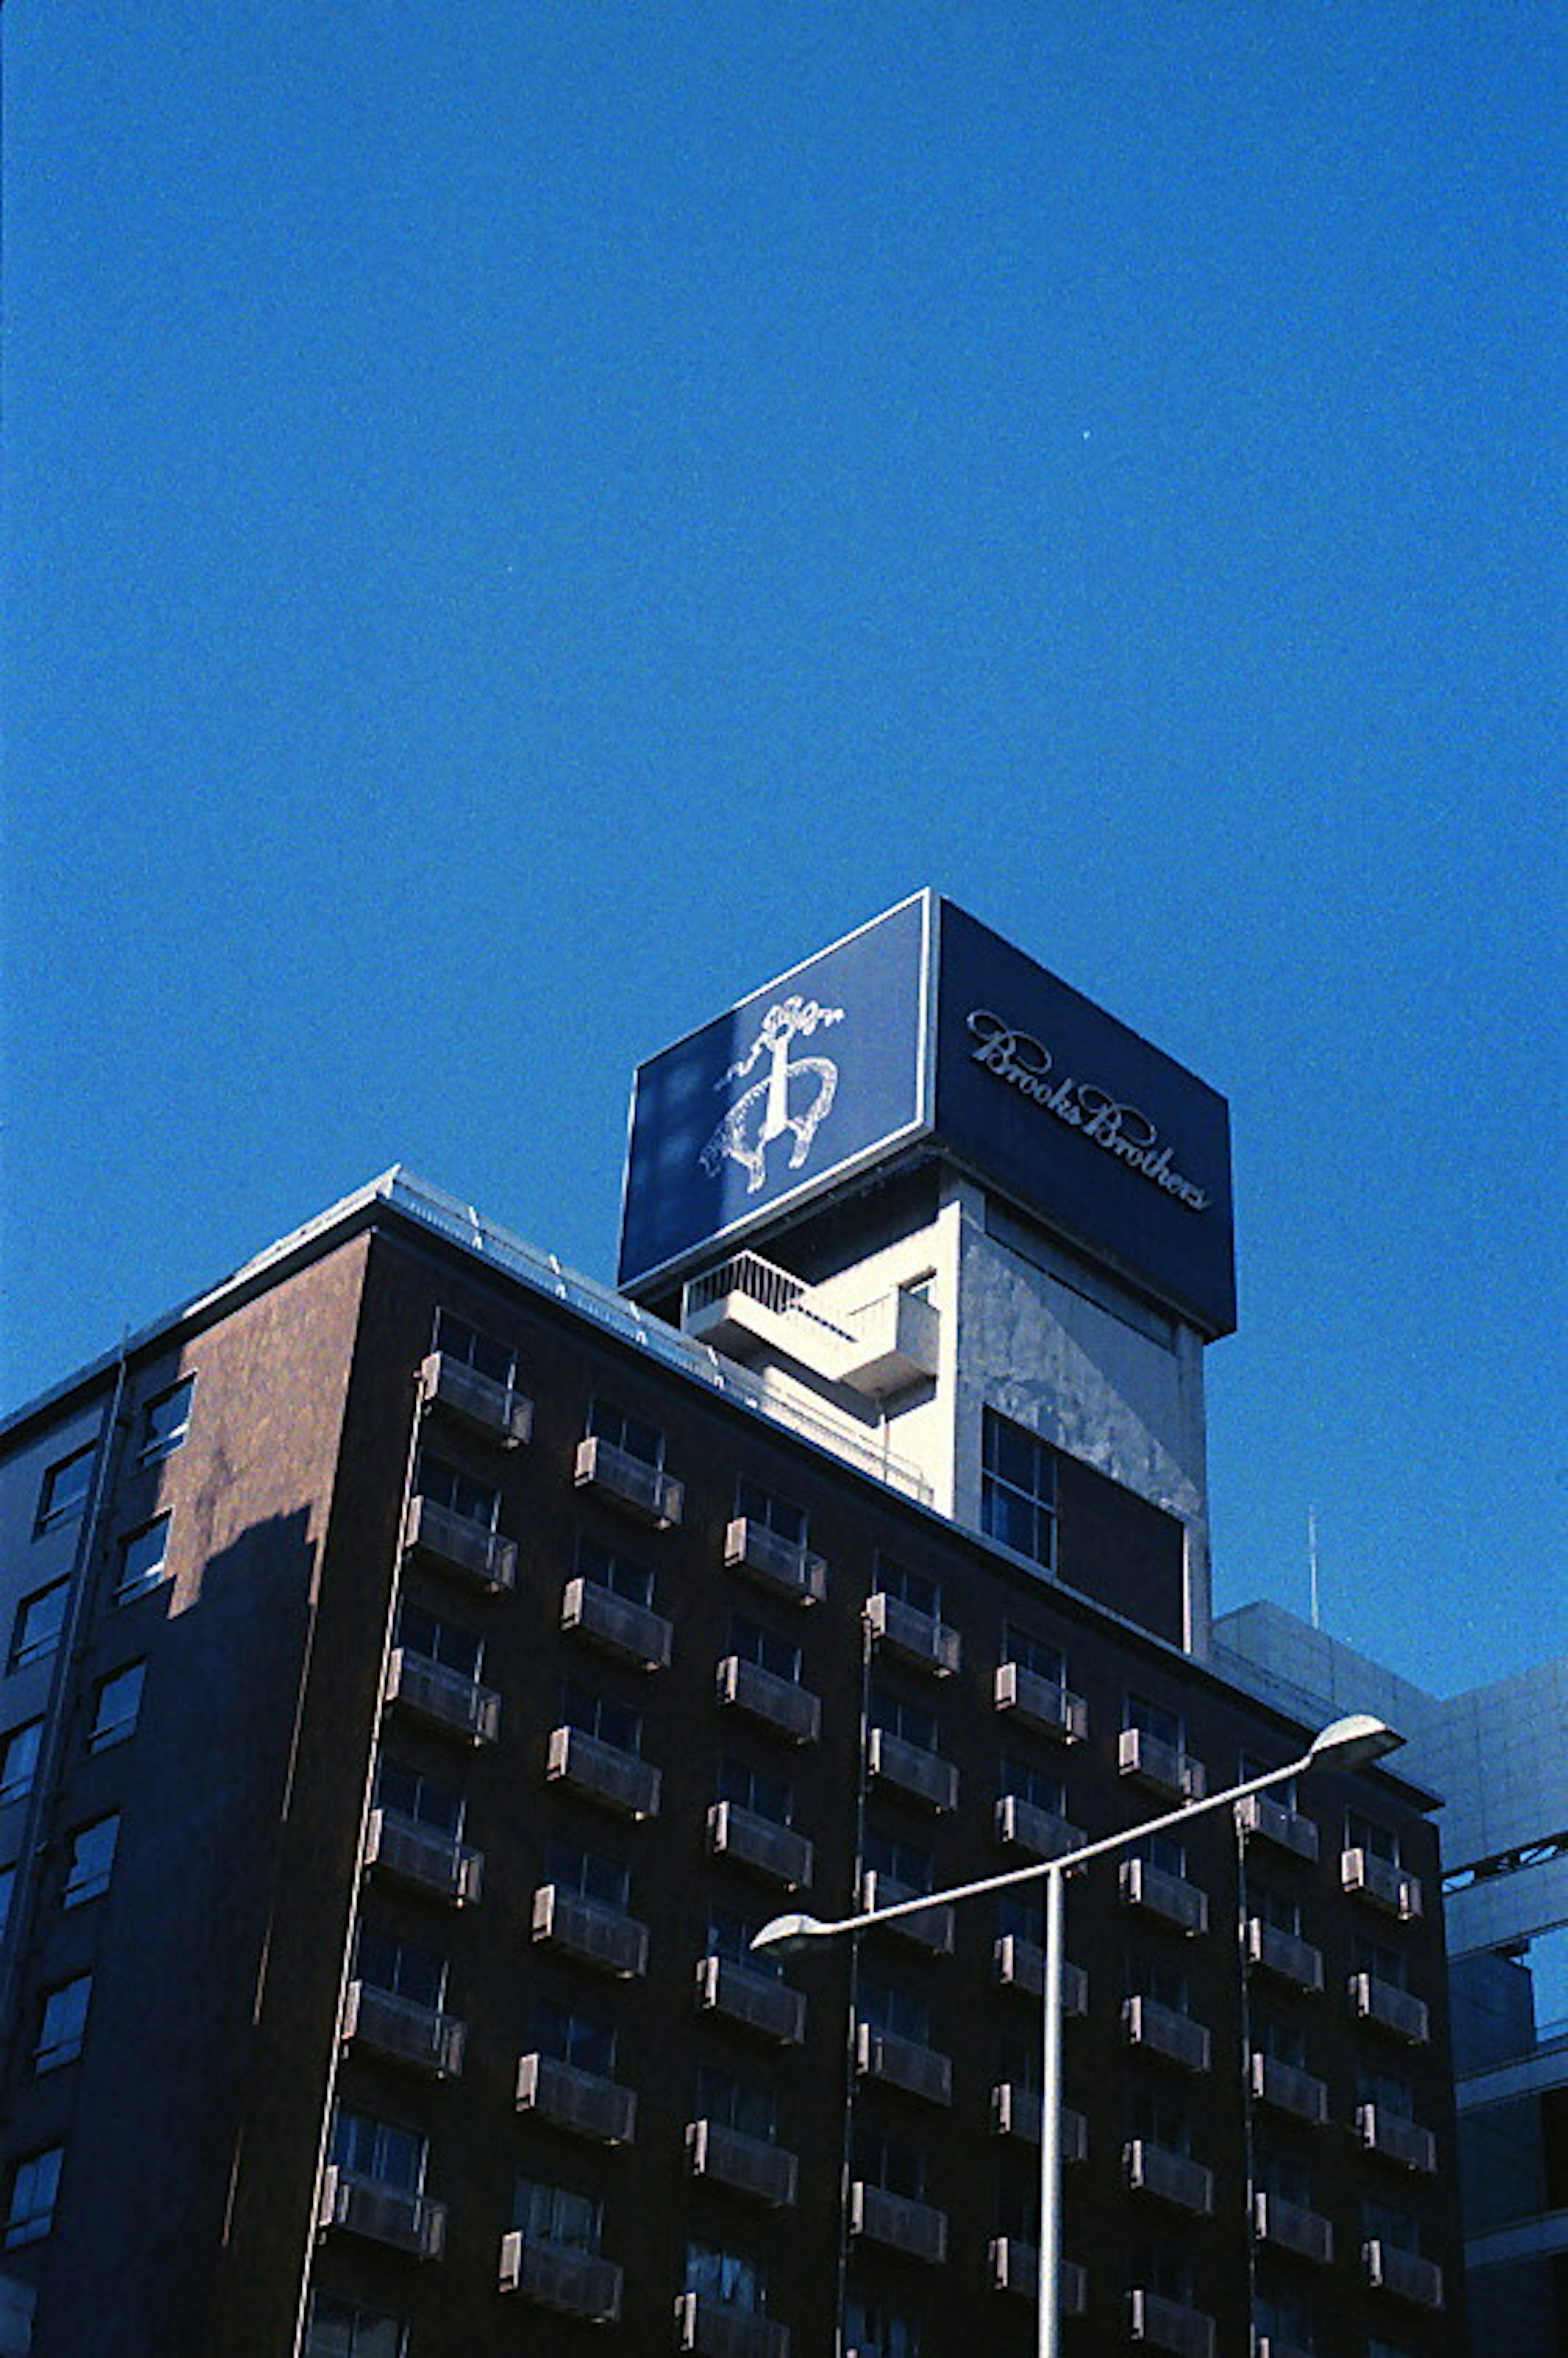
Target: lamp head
x: 1352, y: 1742
x: 787, y: 1933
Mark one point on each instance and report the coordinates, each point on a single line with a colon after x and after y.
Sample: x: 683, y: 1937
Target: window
x: 765, y: 1795
x: 425, y: 1800
x: 910, y: 1722
x: 1253, y: 1765
x: 19, y: 1761
x: 166, y: 1418
x: 727, y: 2276
x: 1157, y: 2268
x: 902, y: 1862
x: 63, y: 2023
x: 342, y: 2329
x: 1018, y: 2060
x: 1284, y: 2178
x: 895, y: 2011
x: 368, y: 2147
x: 619, y: 1573
x: 871, y: 2331
x: 1165, y: 1984
x: 1281, y: 2042
x: 119, y: 1700
x: 888, y: 2162
x: 1036, y: 1786
x: 1018, y: 1490
x: 144, y: 1559
x: 1021, y: 1915
x: 627, y: 1434
x: 588, y: 1873
x: 580, y: 2040
x: 912, y: 1588
x: 729, y: 1937
x: 1036, y: 1655
x: 775, y: 1515
x: 1153, y: 1719
x: 1387, y: 2092
x: 91, y: 1860
x: 40, y: 1621
x: 7, y: 1897
x: 446, y: 1484
x: 1390, y: 2222
x: 446, y: 1642
x: 1158, y: 2120
x: 1375, y: 1957
x: 35, y: 2190
x: 740, y: 2104
x: 1377, y: 1840
x: 765, y: 1648
x: 1276, y: 1908
x: 601, y: 1715
x: 471, y: 1350
x: 399, y: 1968
x: 65, y: 1488
x: 1288, y: 2322
x: 1165, y: 1852
x: 556, y: 2214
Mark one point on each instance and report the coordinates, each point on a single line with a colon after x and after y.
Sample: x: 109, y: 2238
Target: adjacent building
x: 426, y: 1670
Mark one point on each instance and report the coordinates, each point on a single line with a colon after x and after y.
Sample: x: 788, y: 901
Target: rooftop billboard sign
x: 924, y: 1029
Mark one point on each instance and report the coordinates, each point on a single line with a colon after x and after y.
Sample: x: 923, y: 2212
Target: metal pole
x: 1050, y: 2275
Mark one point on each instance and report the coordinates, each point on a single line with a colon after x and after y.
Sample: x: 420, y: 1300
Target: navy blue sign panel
x: 804, y: 1082
x: 1078, y: 1120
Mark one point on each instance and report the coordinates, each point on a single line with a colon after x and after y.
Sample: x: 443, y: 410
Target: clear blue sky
x: 526, y: 519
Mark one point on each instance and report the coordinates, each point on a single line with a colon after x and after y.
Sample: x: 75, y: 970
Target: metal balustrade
x: 633, y: 1633
x: 751, y: 1999
x: 779, y: 1703
x: 1039, y: 1704
x: 382, y: 2213
x: 1389, y: 2008
x: 590, y: 1931
x: 1381, y: 1883
x: 748, y: 2164
x: 1404, y: 2273
x: 556, y: 2277
x: 1150, y: 2168
x: 1150, y: 1761
x: 898, y: 2223
x: 1020, y: 1965
x: 1023, y: 1826
x: 1291, y: 2227
x: 496, y: 1410
x: 401, y: 2031
x: 930, y: 1928
x: 717, y: 2329
x: 602, y: 1772
x: 786, y: 1565
x: 1017, y: 2112
x: 455, y: 1543
x: 432, y: 1862
x: 570, y: 2098
x: 1271, y: 1821
x: 1015, y: 2266
x: 1174, y: 1900
x: 767, y: 1848
x: 631, y: 1484
x: 1405, y: 2142
x: 915, y: 1638
x: 1169, y: 2324
x: 1288, y: 2088
x: 902, y: 2063
x: 1283, y: 1955
x: 442, y: 1698
x: 924, y: 1776
x: 1146, y: 2023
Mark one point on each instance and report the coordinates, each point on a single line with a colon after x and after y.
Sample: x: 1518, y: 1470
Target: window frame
x: 17, y: 1784
x: 129, y: 1585
x: 76, y: 1890
x: 155, y: 1444
x: 102, y: 1736
x: 53, y: 1511
x: 24, y: 1649
x: 48, y: 2164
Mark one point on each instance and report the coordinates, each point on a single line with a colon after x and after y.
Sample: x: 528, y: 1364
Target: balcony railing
x: 1150, y: 2168
x: 1406, y: 2142
x: 590, y: 1931
x: 775, y: 1851
x: 434, y: 1863
x: 1015, y: 2267
x: 1169, y: 2325
x: 629, y: 1483
x: 1146, y: 2023
x: 771, y: 2009
x: 1174, y: 1900
x: 603, y: 1772
x: 779, y: 1703
x: 1271, y: 1820
x: 1292, y: 2228
x: 1037, y: 1704
x: 914, y: 1637
x: 1288, y: 2088
x: 383, y: 2214
x: 476, y: 1401
x: 1165, y: 1771
x: 1017, y: 2112
x: 1385, y: 1885
x: 442, y: 1698
x: 457, y: 1543
x: 1041, y: 1833
x: 632, y: 1632
x: 1269, y: 2345
x: 1391, y: 2009
x: 1404, y: 2273
x: 786, y: 1565
x: 570, y: 2098
x: 1020, y: 1965
x: 552, y: 2275
x: 385, y: 2024
x: 717, y: 2329
x: 898, y: 2223
x: 902, y: 2063
x: 930, y: 1928
x: 1283, y: 1955
x: 750, y: 2165
x: 924, y: 1776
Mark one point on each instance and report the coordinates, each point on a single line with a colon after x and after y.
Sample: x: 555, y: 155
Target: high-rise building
x: 426, y: 1670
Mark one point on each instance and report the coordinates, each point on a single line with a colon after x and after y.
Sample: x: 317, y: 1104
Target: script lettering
x: 1125, y: 1131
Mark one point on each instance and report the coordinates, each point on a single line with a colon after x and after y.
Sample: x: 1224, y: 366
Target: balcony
x: 902, y: 2063
x: 1174, y: 1776
x: 790, y: 1711
x: 441, y: 1698
x: 627, y: 1483
x: 1269, y: 2345
x: 786, y: 1566
x: 433, y: 1863
x: 582, y: 2102
x: 552, y: 2275
x: 914, y: 1637
x: 1268, y: 1820
x: 631, y: 1632
x: 1017, y: 2112
x: 1015, y: 2267
x: 592, y: 1933
x: 1041, y: 1833
x: 1171, y: 2176
x: 454, y: 1543
x: 897, y: 2223
x: 1290, y: 2227
x: 1287, y: 2089
x: 880, y: 1347
x: 930, y: 1928
x: 1403, y: 2274
x: 1164, y: 2032
x: 1037, y: 1705
x: 769, y: 1849
x: 1177, y: 1903
x: 485, y: 1407
x: 747, y: 2163
x: 1382, y: 1884
x: 386, y: 2214
x: 1169, y: 2325
x: 924, y: 1776
x: 1283, y: 1955
x: 384, y: 2024
x: 1020, y: 1964
x: 602, y: 1772
x: 751, y: 1999
x: 1389, y: 2008
x: 1399, y: 2140
x: 717, y: 2329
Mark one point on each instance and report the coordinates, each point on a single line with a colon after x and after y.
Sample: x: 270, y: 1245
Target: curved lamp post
x: 1345, y: 1744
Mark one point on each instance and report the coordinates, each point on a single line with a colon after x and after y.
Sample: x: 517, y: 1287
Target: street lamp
x: 1345, y: 1744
